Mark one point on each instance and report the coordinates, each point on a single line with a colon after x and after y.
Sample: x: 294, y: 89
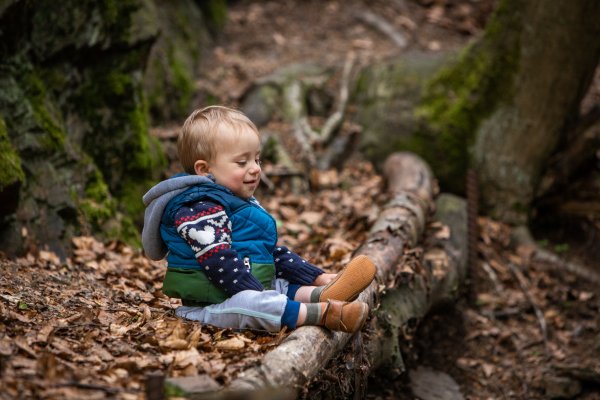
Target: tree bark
x: 557, y: 55
x: 435, y: 281
x: 418, y: 287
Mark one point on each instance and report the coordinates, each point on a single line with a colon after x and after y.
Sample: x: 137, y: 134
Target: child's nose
x: 255, y: 167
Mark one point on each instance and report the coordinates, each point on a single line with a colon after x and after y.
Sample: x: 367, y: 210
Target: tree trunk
x: 506, y: 103
x: 557, y: 55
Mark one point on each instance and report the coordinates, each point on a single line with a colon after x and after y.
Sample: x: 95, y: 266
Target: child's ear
x: 201, y: 167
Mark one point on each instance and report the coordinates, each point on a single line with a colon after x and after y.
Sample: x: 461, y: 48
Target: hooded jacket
x: 254, y: 235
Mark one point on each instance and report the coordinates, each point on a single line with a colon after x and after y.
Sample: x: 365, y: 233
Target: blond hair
x: 197, y: 139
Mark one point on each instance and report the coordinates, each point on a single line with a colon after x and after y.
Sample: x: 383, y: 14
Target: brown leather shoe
x: 353, y: 279
x: 345, y: 317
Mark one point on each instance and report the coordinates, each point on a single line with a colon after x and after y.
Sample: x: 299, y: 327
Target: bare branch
x: 383, y: 26
x: 294, y: 98
x: 336, y: 119
x: 524, y: 284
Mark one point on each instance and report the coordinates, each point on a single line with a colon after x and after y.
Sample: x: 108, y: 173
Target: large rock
x: 387, y: 95
x: 76, y: 154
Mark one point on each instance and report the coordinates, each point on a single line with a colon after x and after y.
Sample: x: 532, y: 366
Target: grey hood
x: 155, y: 200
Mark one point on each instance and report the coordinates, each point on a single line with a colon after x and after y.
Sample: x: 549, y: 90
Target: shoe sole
x: 354, y: 278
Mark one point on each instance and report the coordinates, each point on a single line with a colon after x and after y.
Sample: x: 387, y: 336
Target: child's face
x: 237, y: 162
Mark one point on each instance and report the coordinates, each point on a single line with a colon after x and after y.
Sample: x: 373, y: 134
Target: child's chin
x: 245, y: 194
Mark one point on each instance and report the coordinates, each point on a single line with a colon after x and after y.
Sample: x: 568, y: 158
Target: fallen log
x: 433, y: 281
x: 427, y: 276
x: 400, y: 225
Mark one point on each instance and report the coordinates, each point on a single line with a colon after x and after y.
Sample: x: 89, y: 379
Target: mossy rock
x: 11, y: 172
x: 386, y: 96
x: 186, y: 29
x: 433, y: 105
x: 76, y: 154
x: 75, y: 109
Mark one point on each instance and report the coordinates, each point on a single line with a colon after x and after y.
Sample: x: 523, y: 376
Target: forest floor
x: 97, y: 325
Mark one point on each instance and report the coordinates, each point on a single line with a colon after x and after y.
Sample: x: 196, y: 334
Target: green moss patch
x: 463, y: 94
x: 10, y: 162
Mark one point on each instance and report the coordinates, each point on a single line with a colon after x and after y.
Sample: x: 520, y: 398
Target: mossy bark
x: 558, y: 54
x: 467, y: 91
x: 10, y: 163
x: 500, y: 106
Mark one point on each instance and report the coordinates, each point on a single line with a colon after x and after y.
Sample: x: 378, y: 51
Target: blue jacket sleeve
x: 207, y: 229
x: 293, y: 268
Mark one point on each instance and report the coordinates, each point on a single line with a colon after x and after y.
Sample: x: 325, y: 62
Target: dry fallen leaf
x: 234, y: 343
x: 174, y: 344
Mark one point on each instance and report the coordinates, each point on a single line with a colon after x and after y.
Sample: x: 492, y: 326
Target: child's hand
x: 323, y: 279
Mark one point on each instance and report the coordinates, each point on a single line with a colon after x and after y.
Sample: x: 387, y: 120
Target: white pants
x: 248, y: 309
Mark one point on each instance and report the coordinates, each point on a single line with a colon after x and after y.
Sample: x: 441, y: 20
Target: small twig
x: 519, y: 349
x: 335, y: 120
x: 357, y: 359
x: 522, y: 237
x: 301, y: 128
x: 493, y: 277
x: 555, y: 262
x: 538, y: 313
x: 90, y: 386
x: 382, y: 26
x: 154, y: 387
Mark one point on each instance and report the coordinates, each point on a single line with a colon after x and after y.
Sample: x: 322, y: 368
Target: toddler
x: 221, y: 245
